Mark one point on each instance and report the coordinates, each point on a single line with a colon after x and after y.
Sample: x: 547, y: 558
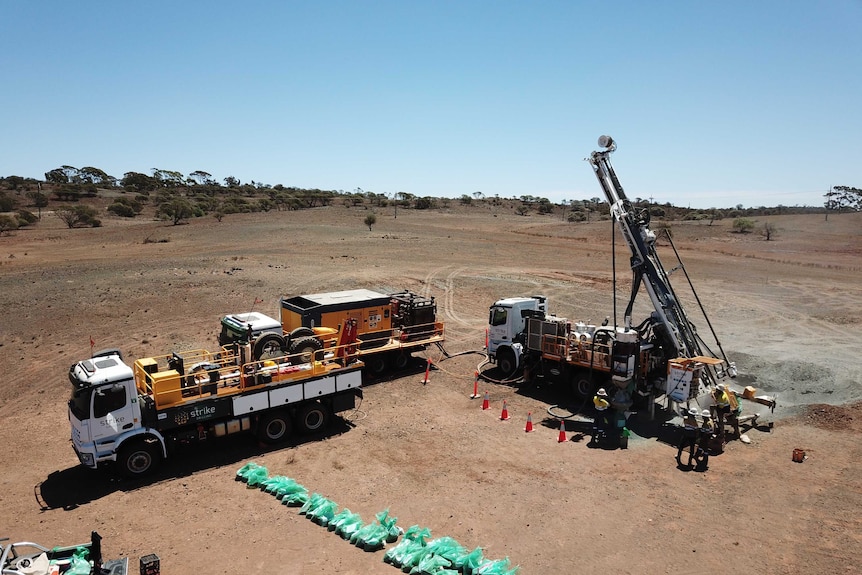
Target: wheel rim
x: 275, y: 429
x: 270, y: 350
x: 378, y: 365
x: 506, y: 363
x: 314, y: 420
x: 139, y: 461
x: 583, y: 387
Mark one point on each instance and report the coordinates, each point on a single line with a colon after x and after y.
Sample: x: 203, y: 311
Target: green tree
x: 81, y: 215
x: 14, y: 182
x: 39, y: 199
x: 138, y: 182
x: 425, y: 203
x: 177, y: 209
x: 63, y: 175
x: 841, y: 198
x: 743, y: 225
x: 202, y: 178
x: 169, y: 178
x: 370, y: 220
x: 93, y: 175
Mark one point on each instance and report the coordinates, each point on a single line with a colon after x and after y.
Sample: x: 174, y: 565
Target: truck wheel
x: 582, y: 386
x: 268, y: 345
x: 506, y: 361
x: 138, y: 459
x: 377, y: 364
x: 401, y: 360
x: 301, y: 332
x: 304, y: 349
x: 274, y: 427
x: 312, y: 417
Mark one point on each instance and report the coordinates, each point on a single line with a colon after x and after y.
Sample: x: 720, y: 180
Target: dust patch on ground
x: 795, y: 383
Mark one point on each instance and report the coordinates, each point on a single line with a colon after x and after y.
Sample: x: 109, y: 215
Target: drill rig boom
x: 670, y: 322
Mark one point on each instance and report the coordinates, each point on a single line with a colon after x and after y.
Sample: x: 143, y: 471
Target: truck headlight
x: 87, y: 459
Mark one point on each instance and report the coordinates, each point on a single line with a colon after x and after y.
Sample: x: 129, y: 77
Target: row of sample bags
x: 414, y: 554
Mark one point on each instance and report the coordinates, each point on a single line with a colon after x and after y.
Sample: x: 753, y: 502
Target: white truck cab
x: 104, y: 408
x: 506, y: 320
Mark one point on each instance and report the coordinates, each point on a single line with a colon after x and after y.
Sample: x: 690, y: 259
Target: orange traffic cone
x: 562, y: 438
x: 505, y: 415
x: 475, y: 387
x: 486, y: 403
x: 529, y: 426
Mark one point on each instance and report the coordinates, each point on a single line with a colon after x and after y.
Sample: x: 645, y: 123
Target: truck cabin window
x: 108, y: 399
x: 498, y: 316
x: 80, y: 403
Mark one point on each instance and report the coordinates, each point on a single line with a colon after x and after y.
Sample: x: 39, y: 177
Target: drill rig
x: 662, y: 355
x: 668, y: 326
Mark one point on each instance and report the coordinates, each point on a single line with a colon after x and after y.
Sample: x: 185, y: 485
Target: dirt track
x: 787, y: 311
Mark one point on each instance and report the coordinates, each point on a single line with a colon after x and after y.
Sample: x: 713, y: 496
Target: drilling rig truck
x: 389, y: 326
x: 137, y: 415
x: 662, y: 355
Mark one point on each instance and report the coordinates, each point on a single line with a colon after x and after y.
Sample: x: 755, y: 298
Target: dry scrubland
x: 788, y: 311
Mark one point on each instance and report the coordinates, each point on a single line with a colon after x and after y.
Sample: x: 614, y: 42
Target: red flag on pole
x: 257, y: 301
x: 92, y: 342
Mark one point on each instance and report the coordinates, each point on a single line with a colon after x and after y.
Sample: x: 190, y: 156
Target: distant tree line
x: 175, y: 197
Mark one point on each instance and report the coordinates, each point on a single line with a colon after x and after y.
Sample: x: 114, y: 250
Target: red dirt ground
x: 786, y: 311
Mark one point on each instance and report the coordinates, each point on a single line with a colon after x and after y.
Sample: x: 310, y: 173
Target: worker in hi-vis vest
x: 603, y: 410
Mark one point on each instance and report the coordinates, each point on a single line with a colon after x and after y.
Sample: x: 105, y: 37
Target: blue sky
x: 712, y: 104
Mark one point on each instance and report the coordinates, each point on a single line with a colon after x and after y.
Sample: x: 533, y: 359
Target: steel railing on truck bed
x: 188, y: 376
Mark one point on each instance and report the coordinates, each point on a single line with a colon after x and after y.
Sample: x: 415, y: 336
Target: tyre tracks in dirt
x: 458, y: 329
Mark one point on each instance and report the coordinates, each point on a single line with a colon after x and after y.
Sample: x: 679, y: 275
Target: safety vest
x: 721, y: 399
x: 601, y: 403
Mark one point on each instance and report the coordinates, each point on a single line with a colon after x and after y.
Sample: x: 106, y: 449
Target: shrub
x: 370, y: 220
x: 743, y: 225
x: 7, y: 224
x: 122, y: 210
x: 25, y: 218
x: 80, y: 215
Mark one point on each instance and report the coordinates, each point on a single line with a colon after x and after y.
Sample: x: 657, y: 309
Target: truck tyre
x: 301, y: 332
x: 268, y: 345
x: 138, y: 458
x: 312, y: 417
x: 377, y: 364
x: 401, y: 360
x: 304, y: 348
x: 274, y: 427
x: 506, y: 361
x: 582, y: 386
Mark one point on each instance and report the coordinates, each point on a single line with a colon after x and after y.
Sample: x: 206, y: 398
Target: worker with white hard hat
x: 689, y: 436
x: 705, y: 435
x: 603, y: 410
